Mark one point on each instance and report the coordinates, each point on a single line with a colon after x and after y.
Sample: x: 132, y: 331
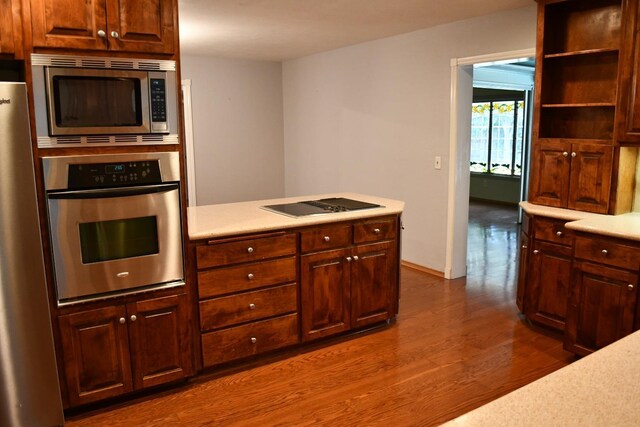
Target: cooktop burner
x: 322, y: 206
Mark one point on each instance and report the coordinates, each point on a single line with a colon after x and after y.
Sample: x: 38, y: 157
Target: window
x: 497, y: 132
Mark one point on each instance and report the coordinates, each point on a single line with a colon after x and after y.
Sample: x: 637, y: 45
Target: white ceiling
x: 276, y: 30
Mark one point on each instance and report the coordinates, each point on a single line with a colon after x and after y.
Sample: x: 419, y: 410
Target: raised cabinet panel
x: 95, y: 347
x: 325, y: 293
x: 601, y: 307
x: 550, y: 169
x: 590, y: 177
x: 548, y: 286
x: 523, y: 267
x: 373, y: 278
x: 160, y: 341
x: 70, y: 24
x: 6, y: 28
x: 143, y: 26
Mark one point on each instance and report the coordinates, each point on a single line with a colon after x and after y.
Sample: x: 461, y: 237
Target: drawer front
x: 319, y: 239
x: 247, y: 340
x: 248, y: 306
x: 246, y: 276
x: 552, y: 230
x: 218, y: 254
x: 607, y: 252
x: 373, y: 231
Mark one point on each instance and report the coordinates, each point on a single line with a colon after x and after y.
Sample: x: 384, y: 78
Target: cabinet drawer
x: 226, y: 311
x: 247, y: 340
x: 552, y: 230
x: 246, y: 276
x: 217, y: 254
x: 372, y: 231
x: 319, y: 239
x: 607, y: 252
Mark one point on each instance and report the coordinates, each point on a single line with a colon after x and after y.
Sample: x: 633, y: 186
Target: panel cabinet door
x: 160, y: 345
x: 141, y: 26
x: 550, y: 170
x: 72, y: 24
x: 373, y: 277
x: 628, y: 107
x: 6, y: 27
x: 590, y: 182
x: 601, y: 307
x: 523, y: 267
x: 548, y: 286
x: 325, y: 293
x: 95, y: 347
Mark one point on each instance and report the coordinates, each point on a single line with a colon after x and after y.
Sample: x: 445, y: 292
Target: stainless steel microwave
x: 104, y: 101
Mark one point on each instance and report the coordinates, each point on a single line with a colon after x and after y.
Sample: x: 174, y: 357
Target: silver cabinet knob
x: 101, y: 33
x: 573, y: 154
x: 536, y: 252
x: 115, y: 34
x: 630, y: 287
x: 355, y: 257
x: 559, y: 233
x: 565, y: 154
x: 348, y: 259
x: 122, y: 320
x: 250, y: 250
x: 133, y: 318
x: 604, y: 252
x: 252, y: 306
x: 376, y: 230
x: 250, y: 276
x: 327, y: 238
x: 254, y: 340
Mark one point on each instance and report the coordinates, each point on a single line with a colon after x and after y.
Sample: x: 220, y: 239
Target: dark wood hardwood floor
x: 456, y: 345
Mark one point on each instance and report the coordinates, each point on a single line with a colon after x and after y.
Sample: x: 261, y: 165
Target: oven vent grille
x: 123, y: 139
x: 38, y: 59
x: 98, y: 139
x: 154, y: 138
x: 105, y: 140
x: 69, y: 140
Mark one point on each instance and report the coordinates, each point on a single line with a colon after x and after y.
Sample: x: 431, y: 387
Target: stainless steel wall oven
x: 115, y: 223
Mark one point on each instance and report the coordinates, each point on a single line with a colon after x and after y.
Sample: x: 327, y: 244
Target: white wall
x: 238, y: 128
x: 371, y: 117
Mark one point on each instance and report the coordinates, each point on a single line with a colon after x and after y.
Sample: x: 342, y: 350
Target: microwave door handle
x: 113, y: 192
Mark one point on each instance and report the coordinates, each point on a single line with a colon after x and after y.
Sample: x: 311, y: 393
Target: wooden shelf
x: 581, y: 105
x: 576, y: 141
x: 580, y: 52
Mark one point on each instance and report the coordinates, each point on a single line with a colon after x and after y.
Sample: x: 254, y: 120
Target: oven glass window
x: 97, y: 101
x: 116, y: 239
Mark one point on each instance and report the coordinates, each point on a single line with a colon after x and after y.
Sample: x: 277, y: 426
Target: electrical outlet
x: 438, y: 163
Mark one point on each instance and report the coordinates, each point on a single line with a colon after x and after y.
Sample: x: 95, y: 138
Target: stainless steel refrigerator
x: 29, y: 389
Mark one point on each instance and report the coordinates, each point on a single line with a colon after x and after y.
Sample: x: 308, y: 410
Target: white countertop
x: 602, y: 389
x: 624, y: 226
x: 206, y: 222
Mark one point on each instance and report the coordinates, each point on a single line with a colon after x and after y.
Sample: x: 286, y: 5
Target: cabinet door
x: 523, y: 268
x: 141, y: 26
x: 628, y: 108
x: 590, y: 182
x: 160, y: 345
x: 95, y: 347
x: 550, y: 170
x: 72, y: 24
x: 6, y: 27
x: 601, y: 307
x: 373, y: 277
x: 548, y: 286
x: 325, y: 293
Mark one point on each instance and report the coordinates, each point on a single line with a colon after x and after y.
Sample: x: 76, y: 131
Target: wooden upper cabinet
x: 590, y: 182
x: 550, y: 168
x: 6, y: 28
x: 121, y: 25
x: 628, y: 118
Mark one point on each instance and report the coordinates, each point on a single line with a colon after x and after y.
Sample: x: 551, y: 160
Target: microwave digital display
x: 81, y: 101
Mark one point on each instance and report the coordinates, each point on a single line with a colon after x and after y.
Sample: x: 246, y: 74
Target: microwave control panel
x: 121, y: 174
x: 158, y: 99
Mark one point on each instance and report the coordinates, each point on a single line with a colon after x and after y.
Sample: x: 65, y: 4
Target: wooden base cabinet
x: 114, y: 350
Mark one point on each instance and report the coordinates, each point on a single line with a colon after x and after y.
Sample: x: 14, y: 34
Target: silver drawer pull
x: 355, y: 257
x: 250, y: 250
x: 122, y: 274
x: 376, y: 230
x: 122, y: 320
x: 250, y: 276
x: 630, y: 287
x: 604, y: 252
x: 348, y: 259
x: 252, y: 306
x: 327, y: 238
x: 559, y: 233
x: 254, y: 340
x: 536, y: 252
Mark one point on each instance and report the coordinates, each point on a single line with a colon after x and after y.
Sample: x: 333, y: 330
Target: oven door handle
x: 114, y: 192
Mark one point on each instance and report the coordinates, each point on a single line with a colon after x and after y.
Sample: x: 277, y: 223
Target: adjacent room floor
x: 456, y: 345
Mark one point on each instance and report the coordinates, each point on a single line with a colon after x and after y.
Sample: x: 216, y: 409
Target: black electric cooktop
x: 322, y: 206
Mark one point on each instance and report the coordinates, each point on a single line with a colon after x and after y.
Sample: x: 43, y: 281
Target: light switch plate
x: 438, y: 163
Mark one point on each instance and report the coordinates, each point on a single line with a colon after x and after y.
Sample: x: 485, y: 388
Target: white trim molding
x: 189, y: 144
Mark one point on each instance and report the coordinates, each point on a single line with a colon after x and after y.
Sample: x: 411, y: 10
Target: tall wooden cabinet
x: 6, y: 28
x: 116, y: 25
x: 628, y: 117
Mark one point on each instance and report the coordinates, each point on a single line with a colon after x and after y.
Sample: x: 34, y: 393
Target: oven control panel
x: 121, y: 174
